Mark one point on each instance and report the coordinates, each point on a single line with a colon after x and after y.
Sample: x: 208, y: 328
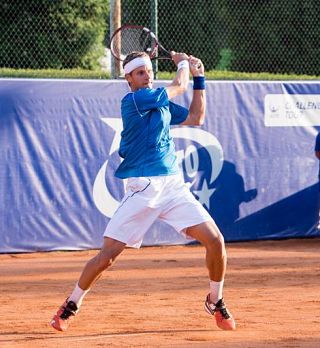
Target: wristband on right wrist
x: 183, y: 64
x: 199, y: 82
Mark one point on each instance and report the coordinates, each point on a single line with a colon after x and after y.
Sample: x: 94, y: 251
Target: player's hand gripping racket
x: 129, y: 38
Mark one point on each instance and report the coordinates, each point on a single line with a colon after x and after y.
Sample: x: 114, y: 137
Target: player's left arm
x: 317, y: 147
x: 197, y: 107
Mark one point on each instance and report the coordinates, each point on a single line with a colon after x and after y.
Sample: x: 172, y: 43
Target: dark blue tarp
x: 58, y: 151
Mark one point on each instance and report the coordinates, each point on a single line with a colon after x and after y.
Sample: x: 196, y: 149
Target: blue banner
x: 251, y: 165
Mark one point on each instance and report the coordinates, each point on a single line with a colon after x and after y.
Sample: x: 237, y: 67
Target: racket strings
x: 133, y: 39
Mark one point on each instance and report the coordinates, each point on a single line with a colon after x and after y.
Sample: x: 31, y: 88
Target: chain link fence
x: 276, y: 36
x: 58, y: 34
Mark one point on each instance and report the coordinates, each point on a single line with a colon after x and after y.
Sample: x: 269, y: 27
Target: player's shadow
x: 294, y: 216
x: 229, y: 194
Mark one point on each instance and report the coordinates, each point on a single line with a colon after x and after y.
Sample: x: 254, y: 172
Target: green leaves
x: 52, y: 34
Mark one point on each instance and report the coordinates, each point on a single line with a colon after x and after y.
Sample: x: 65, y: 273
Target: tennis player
x: 155, y: 187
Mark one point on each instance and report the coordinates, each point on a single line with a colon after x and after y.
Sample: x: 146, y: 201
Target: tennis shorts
x: 146, y: 199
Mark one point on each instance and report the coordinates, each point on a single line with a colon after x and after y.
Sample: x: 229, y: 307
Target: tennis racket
x: 129, y: 38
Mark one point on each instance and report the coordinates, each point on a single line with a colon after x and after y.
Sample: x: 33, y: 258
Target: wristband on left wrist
x: 199, y: 82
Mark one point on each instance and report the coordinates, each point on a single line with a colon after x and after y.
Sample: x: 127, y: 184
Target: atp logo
x: 188, y: 156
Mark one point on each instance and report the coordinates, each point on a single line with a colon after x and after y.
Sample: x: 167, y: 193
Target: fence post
x: 115, y: 23
x: 154, y: 29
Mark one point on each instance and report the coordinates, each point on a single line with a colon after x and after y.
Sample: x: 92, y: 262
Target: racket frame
x: 152, y: 54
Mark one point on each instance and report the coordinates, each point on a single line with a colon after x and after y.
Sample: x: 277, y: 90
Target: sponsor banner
x: 250, y: 165
x: 292, y: 110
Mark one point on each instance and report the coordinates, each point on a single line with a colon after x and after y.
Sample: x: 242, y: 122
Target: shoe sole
x: 53, y: 324
x: 229, y: 328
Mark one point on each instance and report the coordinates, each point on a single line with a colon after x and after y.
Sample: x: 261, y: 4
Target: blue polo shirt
x: 146, y: 146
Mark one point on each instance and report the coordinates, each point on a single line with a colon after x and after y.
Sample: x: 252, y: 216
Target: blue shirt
x: 146, y: 146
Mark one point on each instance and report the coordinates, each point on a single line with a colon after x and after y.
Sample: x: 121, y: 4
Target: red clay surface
x: 153, y: 297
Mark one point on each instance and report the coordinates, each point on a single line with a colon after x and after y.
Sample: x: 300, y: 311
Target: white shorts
x: 149, y: 198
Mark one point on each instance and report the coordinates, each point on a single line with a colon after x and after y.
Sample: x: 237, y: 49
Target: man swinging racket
x: 155, y: 187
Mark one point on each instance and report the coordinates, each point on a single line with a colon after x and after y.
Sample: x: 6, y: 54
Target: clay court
x: 153, y: 297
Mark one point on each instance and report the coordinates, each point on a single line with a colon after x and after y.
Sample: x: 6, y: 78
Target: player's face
x: 141, y: 77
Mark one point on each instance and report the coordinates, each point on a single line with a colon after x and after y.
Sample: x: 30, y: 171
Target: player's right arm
x: 180, y: 83
x: 317, y: 153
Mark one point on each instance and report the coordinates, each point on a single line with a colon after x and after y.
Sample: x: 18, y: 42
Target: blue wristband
x: 199, y: 82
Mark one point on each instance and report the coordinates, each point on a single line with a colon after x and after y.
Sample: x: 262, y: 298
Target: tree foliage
x: 52, y: 34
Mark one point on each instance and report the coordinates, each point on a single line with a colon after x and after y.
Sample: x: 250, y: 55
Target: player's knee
x: 216, y: 243
x: 107, y: 263
x: 104, y: 262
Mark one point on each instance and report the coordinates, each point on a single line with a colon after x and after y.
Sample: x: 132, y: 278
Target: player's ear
x: 128, y: 77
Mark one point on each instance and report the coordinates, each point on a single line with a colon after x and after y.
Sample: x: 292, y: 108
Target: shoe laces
x: 70, y: 309
x: 221, y: 307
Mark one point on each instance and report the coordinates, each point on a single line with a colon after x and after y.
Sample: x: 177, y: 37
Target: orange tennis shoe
x: 64, y: 316
x: 222, y: 316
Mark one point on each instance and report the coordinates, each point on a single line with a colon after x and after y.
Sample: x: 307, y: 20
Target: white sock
x: 216, y: 289
x: 77, y: 295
